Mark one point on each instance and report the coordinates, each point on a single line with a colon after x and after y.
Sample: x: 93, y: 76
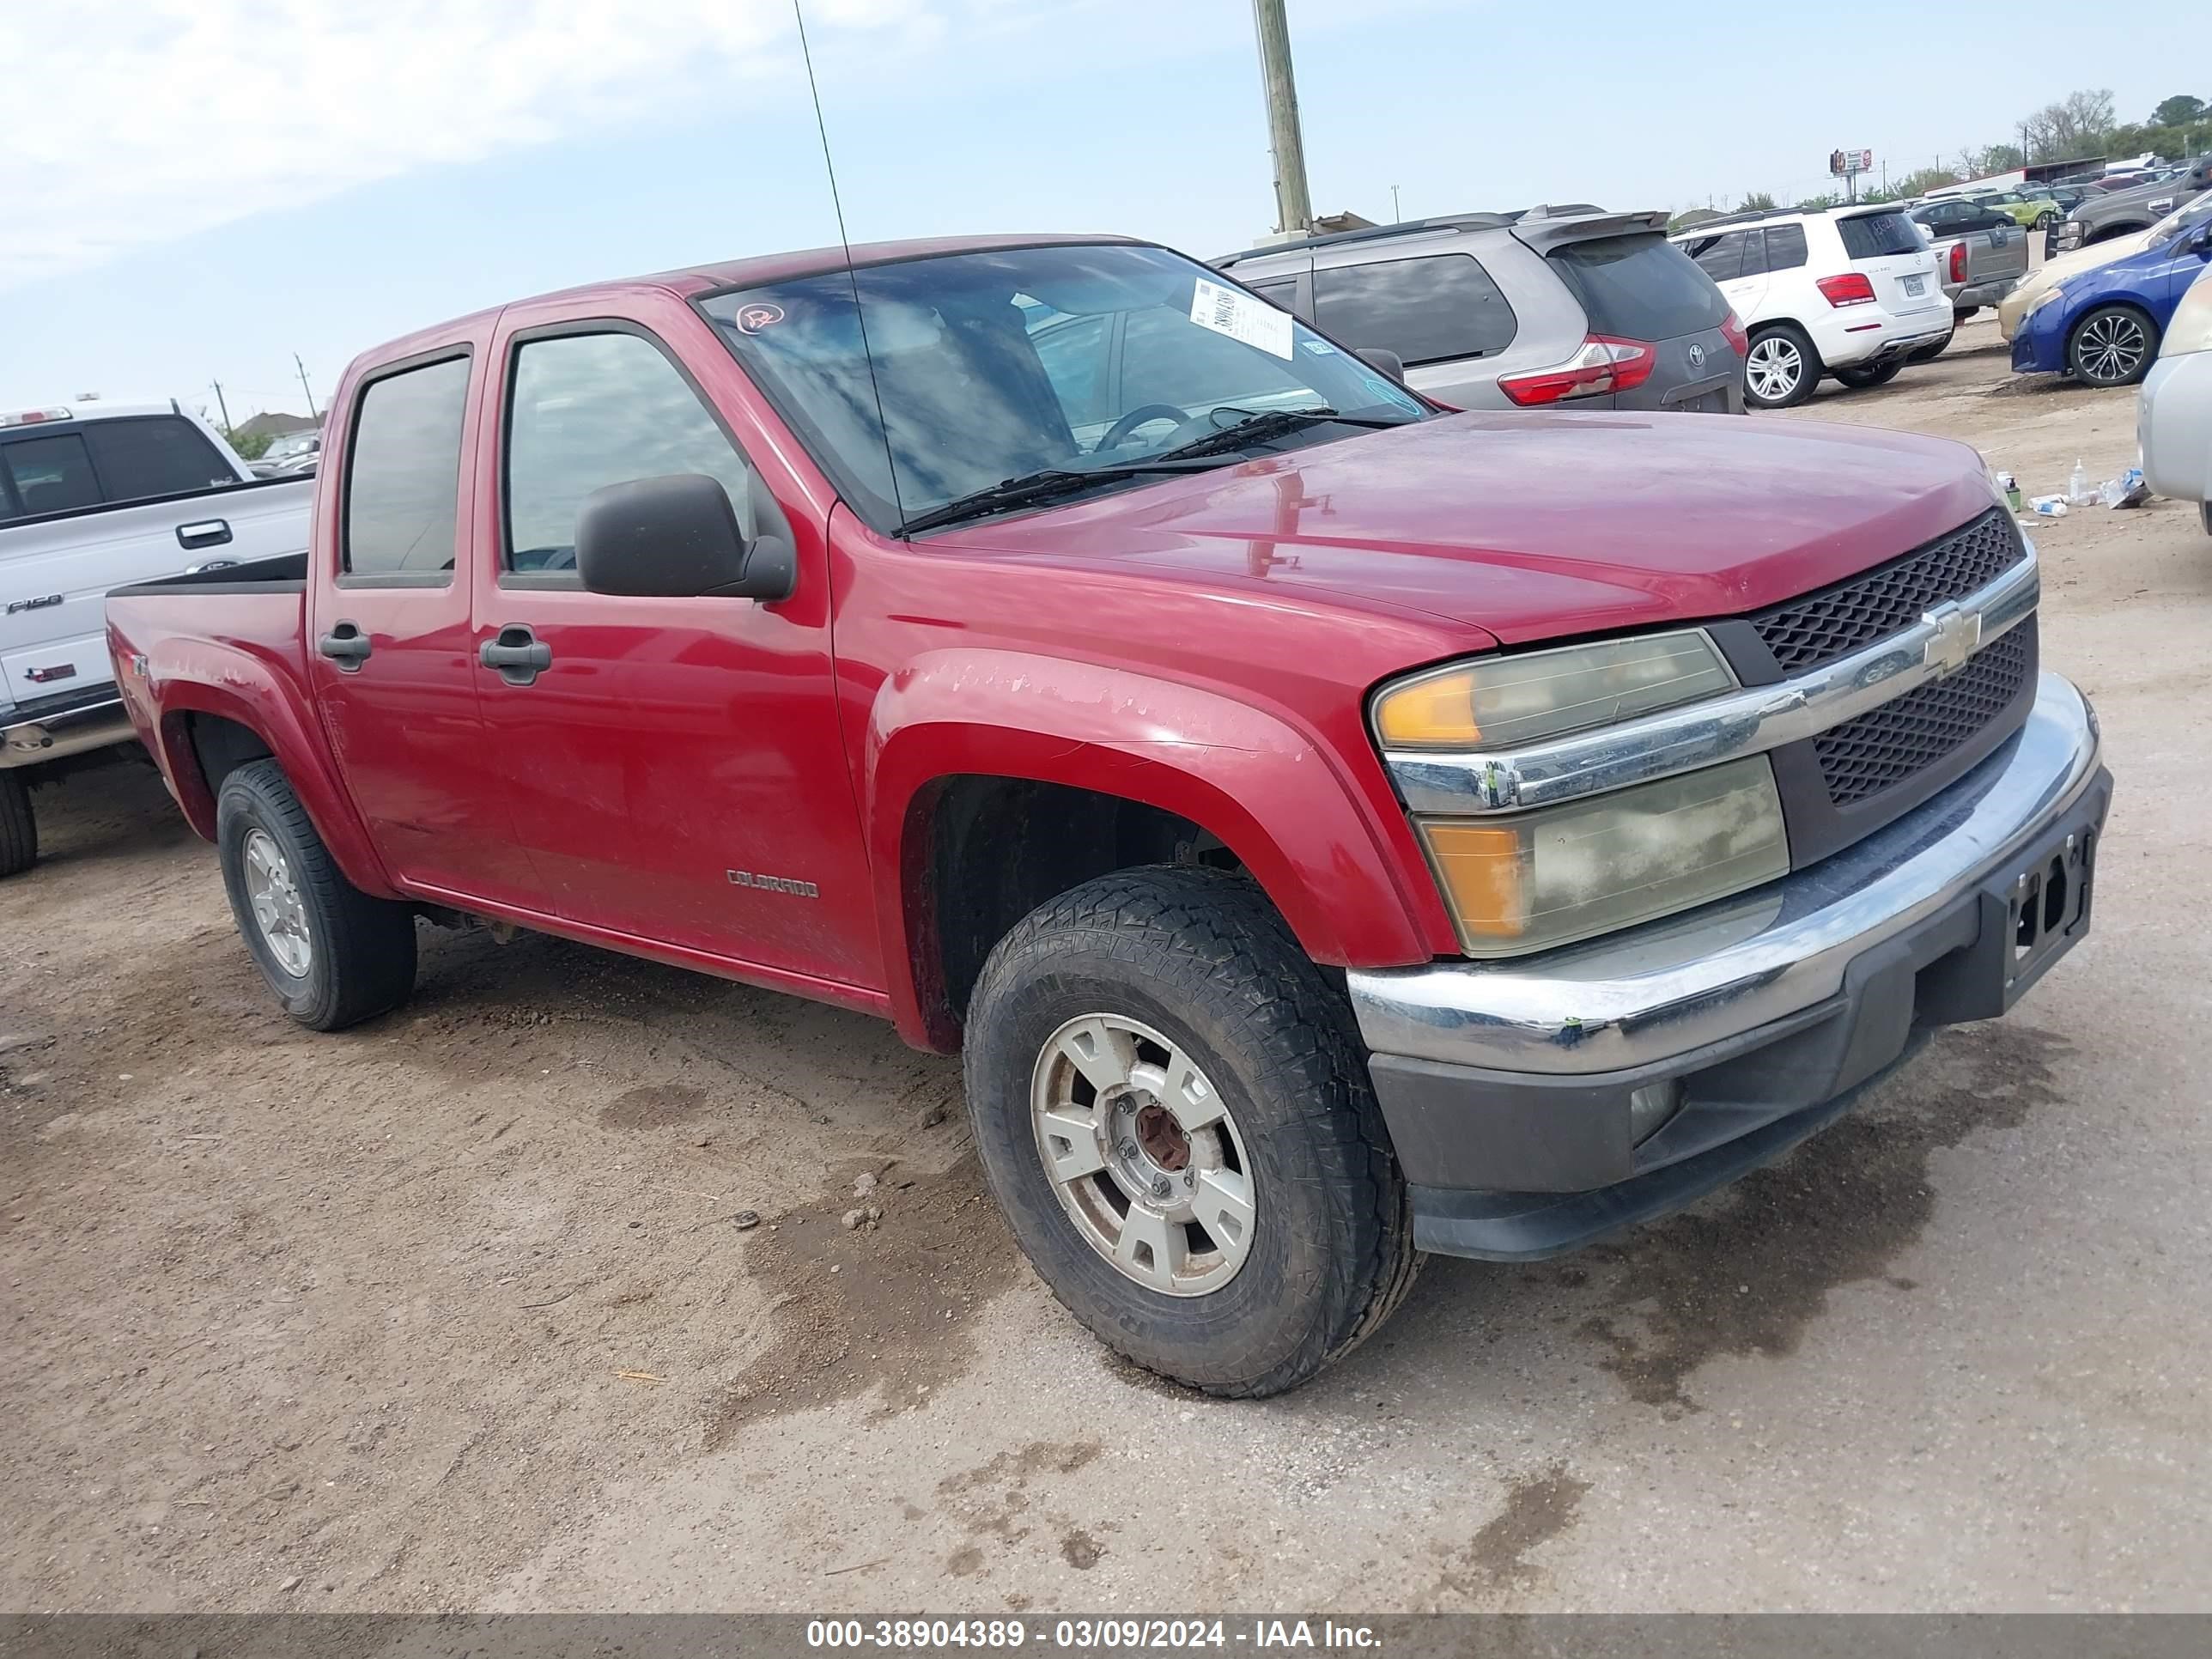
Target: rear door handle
x: 208, y: 532
x: 519, y: 654
x: 346, y: 645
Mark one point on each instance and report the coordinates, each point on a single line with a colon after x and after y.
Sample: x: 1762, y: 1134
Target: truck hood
x: 1535, y: 525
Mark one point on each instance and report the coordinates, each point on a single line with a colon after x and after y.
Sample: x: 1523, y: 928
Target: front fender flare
x: 1330, y: 858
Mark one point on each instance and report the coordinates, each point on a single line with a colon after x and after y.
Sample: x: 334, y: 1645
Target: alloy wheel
x: 1773, y: 368
x: 2112, y: 348
x: 278, y: 911
x: 1143, y: 1155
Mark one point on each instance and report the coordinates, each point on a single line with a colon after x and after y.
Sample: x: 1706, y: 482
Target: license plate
x: 1916, y: 286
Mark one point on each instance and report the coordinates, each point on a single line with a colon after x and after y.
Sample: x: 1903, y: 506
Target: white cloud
x: 134, y: 122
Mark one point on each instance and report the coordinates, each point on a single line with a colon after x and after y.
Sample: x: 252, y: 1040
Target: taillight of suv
x: 1732, y: 325
x: 1604, y: 365
x: 1853, y: 288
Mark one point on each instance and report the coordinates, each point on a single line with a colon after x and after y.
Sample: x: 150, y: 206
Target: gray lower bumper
x: 52, y: 736
x: 1505, y: 1082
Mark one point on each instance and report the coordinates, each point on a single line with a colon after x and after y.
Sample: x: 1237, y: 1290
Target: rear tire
x: 1858, y: 379
x: 1183, y: 989
x: 19, y: 830
x: 2113, y: 346
x: 1781, y: 368
x: 333, y: 955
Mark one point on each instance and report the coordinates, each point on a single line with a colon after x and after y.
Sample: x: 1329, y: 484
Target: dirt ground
x: 459, y: 1310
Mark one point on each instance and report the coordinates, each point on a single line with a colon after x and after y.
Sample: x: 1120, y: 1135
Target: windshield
x: 996, y: 366
x: 293, y: 443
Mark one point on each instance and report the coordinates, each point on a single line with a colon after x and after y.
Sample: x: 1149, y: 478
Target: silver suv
x: 1549, y: 306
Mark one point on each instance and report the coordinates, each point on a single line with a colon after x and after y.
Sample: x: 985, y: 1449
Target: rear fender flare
x: 1274, y: 795
x: 232, y: 685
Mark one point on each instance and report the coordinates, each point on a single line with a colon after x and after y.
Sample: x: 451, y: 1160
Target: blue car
x: 2102, y: 325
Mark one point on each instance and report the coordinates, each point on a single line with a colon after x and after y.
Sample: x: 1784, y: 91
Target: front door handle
x: 518, y: 653
x: 346, y: 645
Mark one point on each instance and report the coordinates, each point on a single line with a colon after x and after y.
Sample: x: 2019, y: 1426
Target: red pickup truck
x: 1333, y: 828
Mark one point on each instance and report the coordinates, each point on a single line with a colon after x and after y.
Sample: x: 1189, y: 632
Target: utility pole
x: 1396, y: 217
x: 1293, y: 207
x: 221, y: 405
x: 312, y: 412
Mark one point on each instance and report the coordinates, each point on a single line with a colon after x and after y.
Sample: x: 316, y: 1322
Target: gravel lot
x: 453, y: 1312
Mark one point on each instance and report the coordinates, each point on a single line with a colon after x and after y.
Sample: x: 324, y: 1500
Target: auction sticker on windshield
x: 1241, y: 316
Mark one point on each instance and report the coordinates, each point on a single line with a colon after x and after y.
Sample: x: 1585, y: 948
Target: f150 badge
x: 38, y: 604
x: 774, y: 884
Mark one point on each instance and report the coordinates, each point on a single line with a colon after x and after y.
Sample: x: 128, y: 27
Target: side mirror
x: 1389, y: 361
x: 676, y: 537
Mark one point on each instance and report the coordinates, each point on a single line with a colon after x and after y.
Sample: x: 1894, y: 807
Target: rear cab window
x: 48, y: 474
x: 402, y: 477
x: 96, y: 463
x: 1638, y: 287
x: 1430, y: 309
x: 1877, y: 235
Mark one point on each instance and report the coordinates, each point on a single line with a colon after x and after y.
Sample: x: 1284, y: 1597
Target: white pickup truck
x: 93, y: 497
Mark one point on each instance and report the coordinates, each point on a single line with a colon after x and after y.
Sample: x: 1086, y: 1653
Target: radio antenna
x: 837, y: 205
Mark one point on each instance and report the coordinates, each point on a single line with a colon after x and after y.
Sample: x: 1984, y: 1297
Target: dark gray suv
x: 1548, y: 307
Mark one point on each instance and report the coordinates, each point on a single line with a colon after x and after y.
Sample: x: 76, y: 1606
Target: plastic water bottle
x: 2077, y: 487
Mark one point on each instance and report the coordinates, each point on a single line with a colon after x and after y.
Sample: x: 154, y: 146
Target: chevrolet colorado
x: 1332, y: 827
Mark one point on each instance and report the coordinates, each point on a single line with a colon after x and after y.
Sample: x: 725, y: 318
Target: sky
x: 198, y: 189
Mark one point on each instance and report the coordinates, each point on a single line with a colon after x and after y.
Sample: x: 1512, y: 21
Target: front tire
x: 2113, y: 346
x: 19, y: 830
x: 333, y: 955
x: 2043, y: 221
x: 1859, y: 379
x: 1171, y: 1104
x: 1781, y: 368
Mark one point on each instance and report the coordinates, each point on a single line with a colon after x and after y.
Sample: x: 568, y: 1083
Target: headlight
x: 1501, y: 702
x: 2056, y: 291
x: 2191, y: 329
x: 1566, y: 872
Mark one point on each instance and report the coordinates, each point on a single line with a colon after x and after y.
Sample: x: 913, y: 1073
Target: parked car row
x: 2101, y: 318
x: 1848, y: 292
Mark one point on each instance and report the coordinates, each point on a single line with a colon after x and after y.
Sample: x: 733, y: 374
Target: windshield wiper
x: 1030, y: 488
x: 1270, y: 423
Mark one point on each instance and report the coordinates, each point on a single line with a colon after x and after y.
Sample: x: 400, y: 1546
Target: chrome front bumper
x: 74, y: 732
x: 1660, y: 991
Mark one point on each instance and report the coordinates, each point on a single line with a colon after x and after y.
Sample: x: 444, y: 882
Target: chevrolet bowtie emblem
x: 1957, y: 636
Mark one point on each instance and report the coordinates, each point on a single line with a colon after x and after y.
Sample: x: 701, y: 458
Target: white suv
x: 1851, y: 292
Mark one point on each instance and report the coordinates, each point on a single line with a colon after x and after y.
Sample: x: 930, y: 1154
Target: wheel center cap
x: 1162, y: 1137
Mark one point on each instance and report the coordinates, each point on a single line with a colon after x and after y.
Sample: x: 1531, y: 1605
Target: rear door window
x: 49, y: 475
x: 403, y: 477
x: 1640, y: 287
x: 1785, y: 247
x: 1283, y: 294
x: 1427, y: 310
x: 160, y: 455
x: 1876, y: 235
x: 1721, y: 256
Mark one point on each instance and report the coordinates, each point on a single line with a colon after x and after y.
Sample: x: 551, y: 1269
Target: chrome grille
x: 1821, y: 627
x: 1887, y: 745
